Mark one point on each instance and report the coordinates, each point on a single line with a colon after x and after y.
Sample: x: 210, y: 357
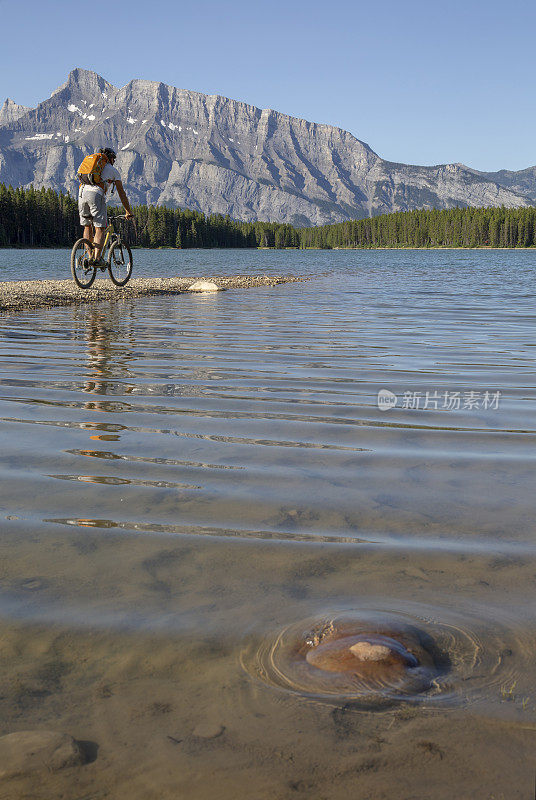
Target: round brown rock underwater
x: 371, y: 657
x: 367, y: 656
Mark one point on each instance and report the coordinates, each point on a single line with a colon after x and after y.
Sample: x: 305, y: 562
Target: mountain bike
x: 116, y: 253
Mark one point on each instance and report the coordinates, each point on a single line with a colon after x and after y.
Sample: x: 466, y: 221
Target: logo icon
x: 386, y: 400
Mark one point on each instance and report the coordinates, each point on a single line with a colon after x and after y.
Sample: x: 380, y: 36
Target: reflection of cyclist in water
x: 98, y: 347
x: 99, y: 334
x: 92, y: 203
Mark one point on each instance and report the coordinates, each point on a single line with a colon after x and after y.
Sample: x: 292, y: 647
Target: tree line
x: 45, y: 218
x: 454, y: 227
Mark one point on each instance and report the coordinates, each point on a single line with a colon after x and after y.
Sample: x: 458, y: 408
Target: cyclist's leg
x: 100, y: 221
x: 98, y: 241
x: 85, y: 215
x: 88, y: 232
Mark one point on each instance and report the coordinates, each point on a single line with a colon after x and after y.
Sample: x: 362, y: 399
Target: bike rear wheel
x: 120, y: 263
x: 83, y: 273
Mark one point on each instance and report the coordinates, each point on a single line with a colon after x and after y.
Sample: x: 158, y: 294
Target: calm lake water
x: 198, y: 490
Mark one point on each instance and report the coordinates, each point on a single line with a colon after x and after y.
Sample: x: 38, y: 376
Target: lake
x: 207, y: 500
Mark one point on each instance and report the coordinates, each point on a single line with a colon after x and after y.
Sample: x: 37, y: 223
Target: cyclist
x: 92, y: 204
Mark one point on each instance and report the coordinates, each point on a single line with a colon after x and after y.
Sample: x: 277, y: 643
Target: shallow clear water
x: 186, y: 480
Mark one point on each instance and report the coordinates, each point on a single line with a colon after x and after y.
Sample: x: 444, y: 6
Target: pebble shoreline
x: 25, y: 295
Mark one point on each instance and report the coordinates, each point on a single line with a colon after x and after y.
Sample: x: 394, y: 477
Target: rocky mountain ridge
x: 212, y: 154
x: 12, y: 111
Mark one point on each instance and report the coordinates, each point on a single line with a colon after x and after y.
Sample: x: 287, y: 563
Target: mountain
x: 212, y: 154
x: 11, y: 111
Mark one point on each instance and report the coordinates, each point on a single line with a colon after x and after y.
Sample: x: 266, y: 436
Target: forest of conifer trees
x: 44, y: 218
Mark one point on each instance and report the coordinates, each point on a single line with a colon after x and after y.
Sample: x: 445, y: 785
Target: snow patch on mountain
x: 39, y: 137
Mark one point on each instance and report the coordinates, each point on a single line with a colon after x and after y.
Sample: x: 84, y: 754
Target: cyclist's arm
x: 123, y: 198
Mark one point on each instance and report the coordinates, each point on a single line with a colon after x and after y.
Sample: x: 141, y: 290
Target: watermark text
x: 439, y: 400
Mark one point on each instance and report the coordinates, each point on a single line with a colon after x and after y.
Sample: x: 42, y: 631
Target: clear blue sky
x: 420, y: 82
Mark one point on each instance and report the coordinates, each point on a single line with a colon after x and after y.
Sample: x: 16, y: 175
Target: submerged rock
x: 371, y: 659
x: 208, y: 730
x: 371, y: 656
x: 365, y: 651
x: 29, y: 751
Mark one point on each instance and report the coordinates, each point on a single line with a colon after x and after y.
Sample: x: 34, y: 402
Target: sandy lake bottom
x: 197, y: 491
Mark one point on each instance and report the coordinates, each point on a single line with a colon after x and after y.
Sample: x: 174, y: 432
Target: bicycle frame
x: 110, y: 231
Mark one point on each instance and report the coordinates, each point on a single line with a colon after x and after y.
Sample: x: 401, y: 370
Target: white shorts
x: 92, y: 206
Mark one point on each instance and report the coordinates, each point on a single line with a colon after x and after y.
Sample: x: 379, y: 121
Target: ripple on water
x: 376, y: 659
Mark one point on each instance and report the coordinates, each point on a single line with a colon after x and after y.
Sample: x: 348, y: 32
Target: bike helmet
x: 108, y: 152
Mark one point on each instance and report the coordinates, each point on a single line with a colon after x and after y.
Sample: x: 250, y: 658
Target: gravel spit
x: 23, y: 295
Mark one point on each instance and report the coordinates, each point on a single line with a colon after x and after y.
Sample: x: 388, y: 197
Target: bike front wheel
x: 83, y: 273
x: 120, y: 263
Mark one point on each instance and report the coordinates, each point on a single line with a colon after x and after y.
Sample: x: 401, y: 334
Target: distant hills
x: 211, y: 154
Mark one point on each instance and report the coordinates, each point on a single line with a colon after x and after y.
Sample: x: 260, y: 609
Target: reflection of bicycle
x: 116, y: 254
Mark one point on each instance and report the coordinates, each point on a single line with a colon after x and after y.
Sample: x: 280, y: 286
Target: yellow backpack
x: 90, y: 170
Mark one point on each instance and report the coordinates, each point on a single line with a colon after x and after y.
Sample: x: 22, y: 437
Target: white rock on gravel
x: 28, y: 751
x: 204, y: 286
